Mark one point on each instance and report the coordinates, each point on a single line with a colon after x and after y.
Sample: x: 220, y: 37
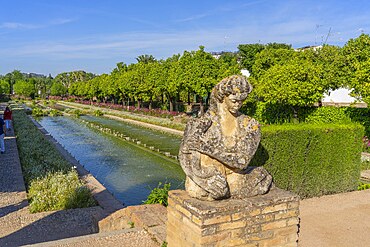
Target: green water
x: 157, y: 139
x: 126, y: 170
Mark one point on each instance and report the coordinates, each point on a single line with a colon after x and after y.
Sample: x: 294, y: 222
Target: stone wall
x: 267, y: 220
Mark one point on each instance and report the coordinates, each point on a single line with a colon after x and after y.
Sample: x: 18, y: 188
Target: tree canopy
x: 279, y: 74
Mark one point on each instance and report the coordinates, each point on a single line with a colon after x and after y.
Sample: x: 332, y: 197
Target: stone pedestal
x: 267, y: 220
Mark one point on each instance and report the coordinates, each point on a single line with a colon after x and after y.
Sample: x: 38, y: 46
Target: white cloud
x: 17, y: 25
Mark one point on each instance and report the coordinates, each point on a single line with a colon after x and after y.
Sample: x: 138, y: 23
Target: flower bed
x: 133, y: 109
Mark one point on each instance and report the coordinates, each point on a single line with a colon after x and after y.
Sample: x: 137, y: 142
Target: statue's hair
x: 235, y: 84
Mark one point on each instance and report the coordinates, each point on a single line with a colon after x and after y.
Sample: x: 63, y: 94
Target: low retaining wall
x: 268, y: 220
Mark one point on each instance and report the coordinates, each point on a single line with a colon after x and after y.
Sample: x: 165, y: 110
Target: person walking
x: 8, y: 118
x: 2, y: 135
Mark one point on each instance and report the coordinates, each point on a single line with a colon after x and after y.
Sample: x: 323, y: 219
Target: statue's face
x: 233, y: 103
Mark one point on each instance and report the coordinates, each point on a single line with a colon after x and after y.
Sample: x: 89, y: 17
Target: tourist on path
x: 2, y: 135
x: 8, y: 118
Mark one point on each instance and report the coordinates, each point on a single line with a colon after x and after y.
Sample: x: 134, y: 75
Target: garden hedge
x: 311, y: 159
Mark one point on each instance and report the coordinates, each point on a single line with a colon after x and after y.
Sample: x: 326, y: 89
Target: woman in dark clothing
x: 8, y: 118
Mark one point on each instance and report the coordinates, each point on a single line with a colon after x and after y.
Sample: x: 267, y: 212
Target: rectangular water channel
x: 128, y: 171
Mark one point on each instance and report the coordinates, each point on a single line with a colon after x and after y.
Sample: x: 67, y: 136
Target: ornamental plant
x: 159, y: 195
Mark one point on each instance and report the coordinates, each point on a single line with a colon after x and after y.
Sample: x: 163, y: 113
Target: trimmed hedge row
x: 282, y: 114
x: 310, y: 159
x: 51, y: 182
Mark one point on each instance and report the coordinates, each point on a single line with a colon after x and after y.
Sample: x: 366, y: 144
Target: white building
x: 341, y: 97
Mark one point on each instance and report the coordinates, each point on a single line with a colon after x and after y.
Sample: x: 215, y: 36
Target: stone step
x: 152, y: 218
x: 128, y: 237
x: 365, y: 156
x: 365, y: 175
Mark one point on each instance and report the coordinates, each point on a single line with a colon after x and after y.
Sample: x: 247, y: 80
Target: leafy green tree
x: 268, y: 58
x: 43, y: 85
x: 357, y: 50
x: 12, y: 78
x: 357, y: 58
x: 296, y: 83
x: 248, y: 53
x: 200, y: 71
x: 332, y: 61
x: 117, y: 82
x: 361, y: 81
x: 278, y: 46
x: 124, y: 81
x: 107, y: 87
x: 24, y: 88
x: 229, y: 58
x: 4, y: 87
x: 170, y: 80
x: 69, y: 78
x: 58, y: 89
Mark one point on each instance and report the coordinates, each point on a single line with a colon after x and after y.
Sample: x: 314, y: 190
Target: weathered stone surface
x: 217, y: 147
x: 264, y: 220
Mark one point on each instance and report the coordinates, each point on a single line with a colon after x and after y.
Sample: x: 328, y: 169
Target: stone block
x: 267, y: 220
x: 275, y: 208
x: 217, y: 220
x: 274, y: 225
x: 286, y: 214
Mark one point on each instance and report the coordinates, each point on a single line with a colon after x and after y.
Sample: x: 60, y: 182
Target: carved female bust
x: 217, y: 147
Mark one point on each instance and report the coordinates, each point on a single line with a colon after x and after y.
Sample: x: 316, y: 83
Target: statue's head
x: 232, y: 91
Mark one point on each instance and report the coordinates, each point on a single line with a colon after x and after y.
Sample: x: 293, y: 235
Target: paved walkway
x: 341, y: 220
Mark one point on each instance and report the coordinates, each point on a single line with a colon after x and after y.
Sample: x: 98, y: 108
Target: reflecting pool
x: 126, y: 170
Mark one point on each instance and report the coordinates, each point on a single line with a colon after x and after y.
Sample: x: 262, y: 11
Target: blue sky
x: 55, y: 36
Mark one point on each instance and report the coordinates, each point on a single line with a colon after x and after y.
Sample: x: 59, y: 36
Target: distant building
x: 312, y: 47
x: 217, y: 54
x: 341, y: 97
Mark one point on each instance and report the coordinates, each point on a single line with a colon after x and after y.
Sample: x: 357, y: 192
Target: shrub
x: 312, y: 160
x: 37, y: 112
x: 58, y: 190
x: 76, y: 112
x: 98, y: 113
x: 328, y: 115
x: 360, y: 115
x: 363, y: 186
x: 54, y: 113
x: 159, y: 195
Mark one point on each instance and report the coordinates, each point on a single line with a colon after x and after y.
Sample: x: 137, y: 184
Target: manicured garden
x: 319, y: 154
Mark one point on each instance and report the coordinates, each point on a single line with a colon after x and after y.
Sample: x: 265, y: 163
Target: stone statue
x: 217, y: 147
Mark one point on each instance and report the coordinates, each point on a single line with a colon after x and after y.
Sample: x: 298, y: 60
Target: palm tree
x: 145, y: 59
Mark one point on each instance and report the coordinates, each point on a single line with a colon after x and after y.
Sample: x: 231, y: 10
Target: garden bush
x: 360, y: 115
x: 328, y: 114
x: 51, y: 182
x: 311, y: 159
x: 58, y: 190
x: 159, y: 195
